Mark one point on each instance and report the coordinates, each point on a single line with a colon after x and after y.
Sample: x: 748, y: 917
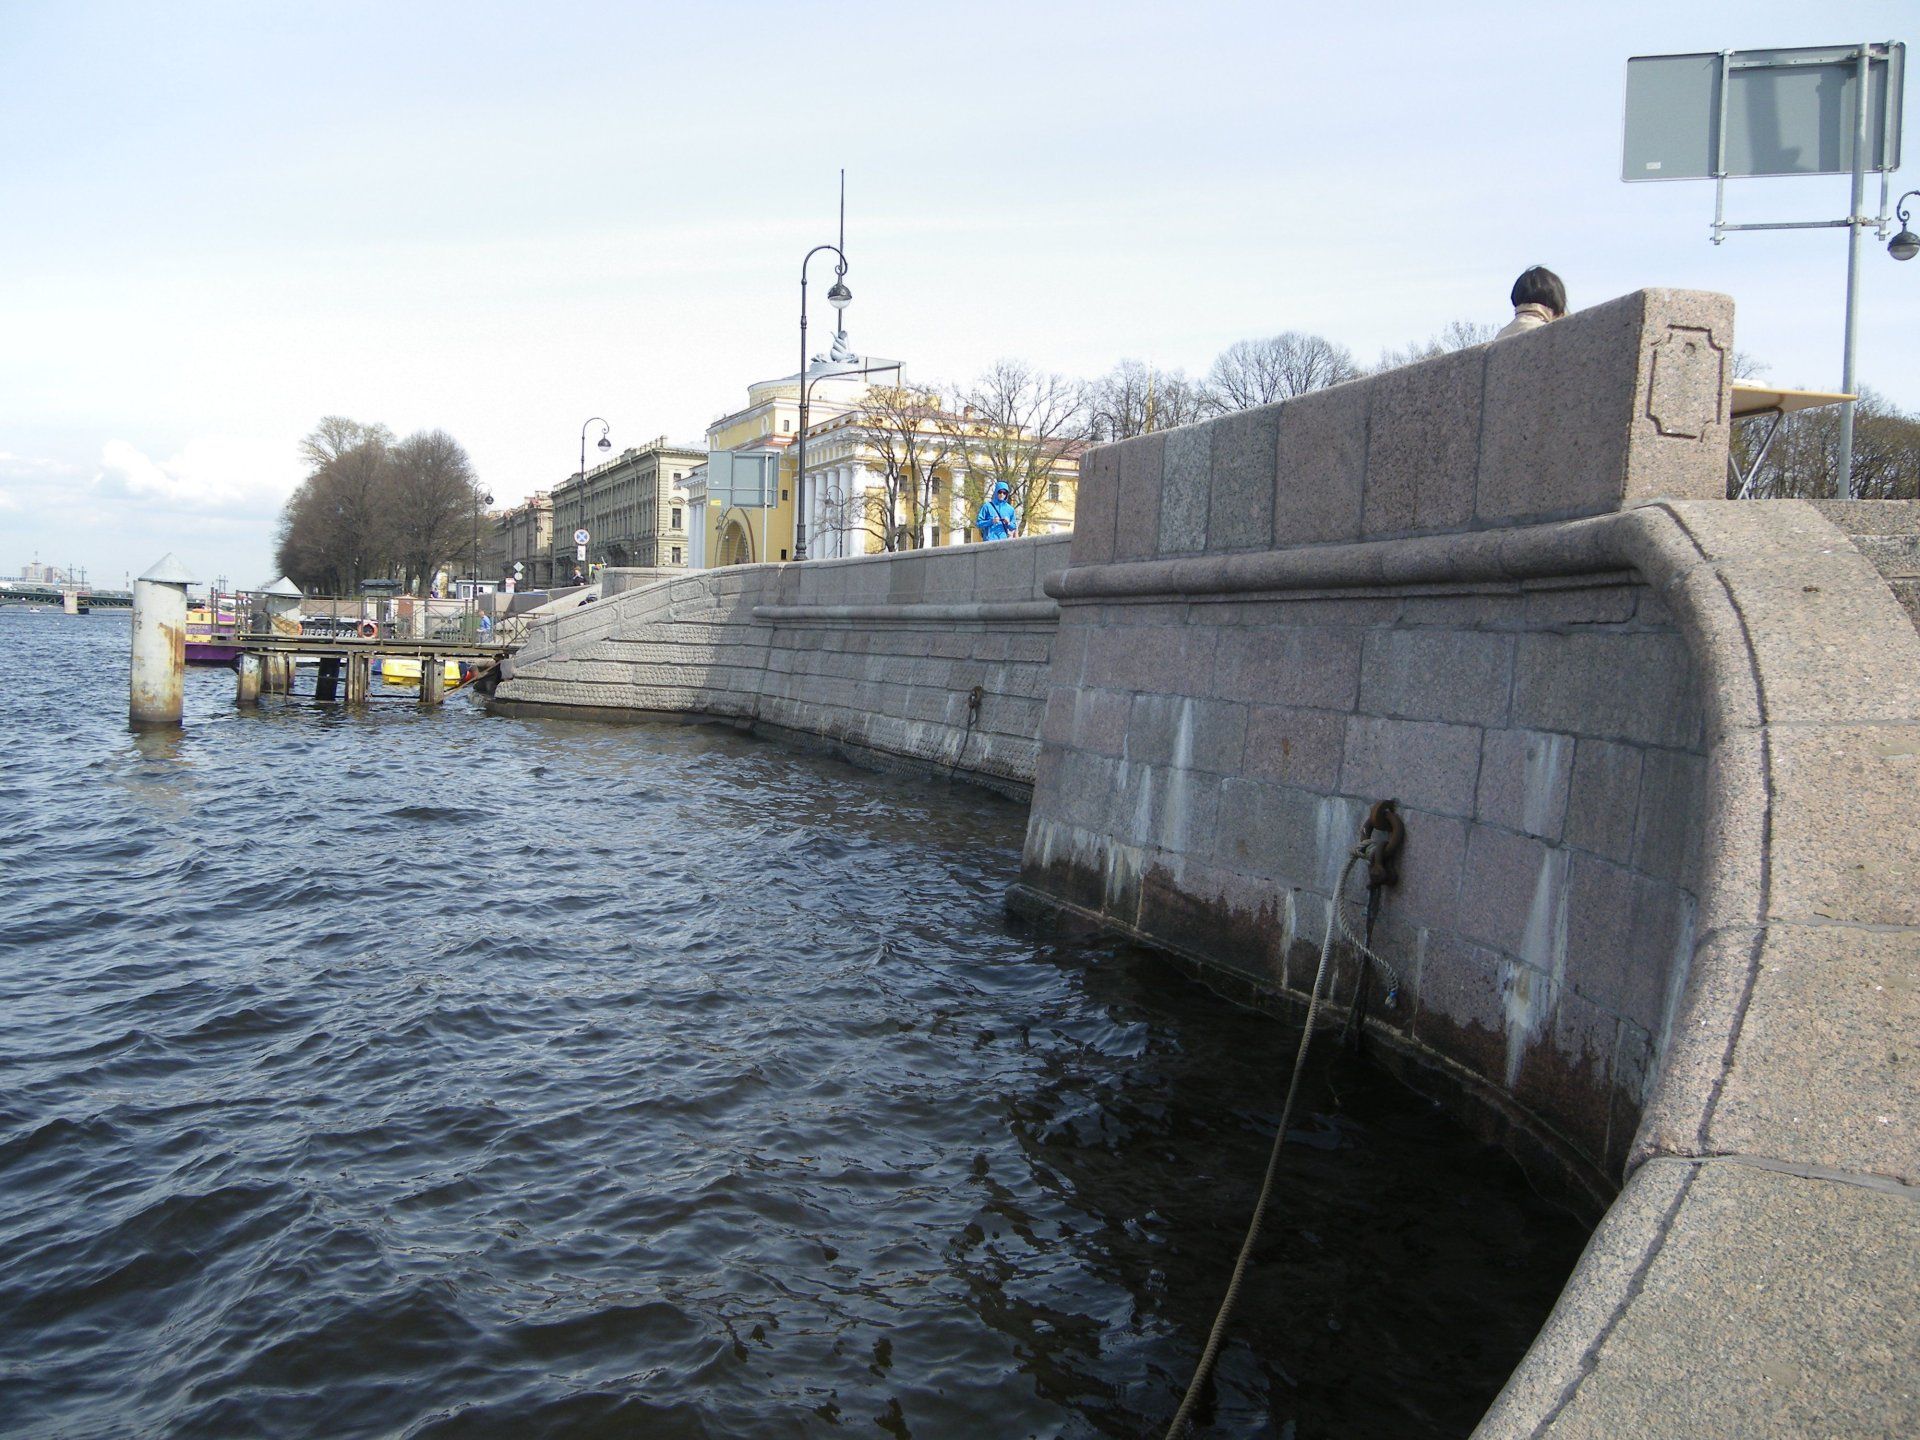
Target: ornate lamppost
x: 839, y: 297
x: 603, y: 444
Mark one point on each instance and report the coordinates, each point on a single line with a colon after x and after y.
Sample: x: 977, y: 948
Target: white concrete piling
x: 157, y: 673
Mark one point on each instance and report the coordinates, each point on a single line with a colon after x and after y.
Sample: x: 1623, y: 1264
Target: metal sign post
x: 1821, y: 110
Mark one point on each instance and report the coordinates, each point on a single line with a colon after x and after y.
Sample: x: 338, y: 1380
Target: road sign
x: 1762, y: 112
x: 579, y: 552
x: 580, y: 537
x: 518, y: 567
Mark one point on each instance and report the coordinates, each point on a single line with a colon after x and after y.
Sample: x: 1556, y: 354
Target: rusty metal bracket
x: 1383, y: 859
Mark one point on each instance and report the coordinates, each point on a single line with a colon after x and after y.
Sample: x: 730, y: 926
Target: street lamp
x: 1906, y: 244
x: 839, y: 297
x: 603, y: 443
x: 481, y: 500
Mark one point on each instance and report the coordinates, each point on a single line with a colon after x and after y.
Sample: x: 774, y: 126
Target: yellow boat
x: 405, y: 670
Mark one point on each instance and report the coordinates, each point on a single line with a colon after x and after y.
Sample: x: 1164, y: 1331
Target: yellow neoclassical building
x: 888, y: 467
x: 741, y: 499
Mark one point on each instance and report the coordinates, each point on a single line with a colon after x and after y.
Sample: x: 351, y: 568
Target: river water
x: 437, y: 1074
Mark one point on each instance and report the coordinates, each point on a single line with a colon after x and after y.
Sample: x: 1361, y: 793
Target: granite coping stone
x: 1726, y: 1299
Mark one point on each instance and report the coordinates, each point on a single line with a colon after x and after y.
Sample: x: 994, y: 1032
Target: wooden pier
x: 265, y: 665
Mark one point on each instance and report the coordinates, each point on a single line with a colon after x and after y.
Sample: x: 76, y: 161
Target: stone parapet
x: 1614, y: 406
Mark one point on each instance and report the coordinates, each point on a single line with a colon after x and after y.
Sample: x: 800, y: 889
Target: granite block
x: 1601, y: 963
x: 1136, y: 533
x: 1459, y: 675
x: 1636, y: 686
x: 1096, y: 504
x: 1295, y: 665
x: 1760, y: 1305
x: 1422, y: 764
x: 1514, y: 896
x: 1826, y: 1070
x: 1295, y: 746
x: 1462, y: 1004
x: 1187, y: 733
x: 1666, y: 833
x: 1240, y: 505
x: 1602, y: 797
x: 1682, y: 419
x: 1525, y: 776
x: 1268, y: 830
x: 1423, y: 445
x: 1432, y: 862
x: 1566, y: 1071
x: 1185, y: 489
x: 1320, y: 465
x: 1854, y: 862
x: 1160, y: 659
x: 1559, y: 405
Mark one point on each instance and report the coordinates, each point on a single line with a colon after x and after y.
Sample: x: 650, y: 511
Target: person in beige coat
x: 1539, y: 298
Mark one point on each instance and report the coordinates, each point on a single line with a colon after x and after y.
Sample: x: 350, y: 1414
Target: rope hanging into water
x: 1336, y: 922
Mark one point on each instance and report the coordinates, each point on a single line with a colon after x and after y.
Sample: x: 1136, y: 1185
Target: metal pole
x: 1844, y: 460
x: 156, y: 674
x: 800, y: 461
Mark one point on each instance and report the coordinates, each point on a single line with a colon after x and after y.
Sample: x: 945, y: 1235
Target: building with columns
x: 741, y: 502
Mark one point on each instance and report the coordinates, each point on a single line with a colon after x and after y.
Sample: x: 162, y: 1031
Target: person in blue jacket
x: 996, y: 520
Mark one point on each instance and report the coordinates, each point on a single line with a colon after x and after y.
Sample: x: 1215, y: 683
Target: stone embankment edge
x: 1760, y: 1272
x: 923, y: 727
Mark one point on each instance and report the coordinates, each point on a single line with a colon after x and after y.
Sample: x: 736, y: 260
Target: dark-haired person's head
x: 1540, y: 286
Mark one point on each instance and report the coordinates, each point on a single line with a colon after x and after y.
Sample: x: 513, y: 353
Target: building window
x: 783, y: 496
x: 676, y: 554
x: 1053, y: 491
x: 676, y: 517
x: 786, y: 425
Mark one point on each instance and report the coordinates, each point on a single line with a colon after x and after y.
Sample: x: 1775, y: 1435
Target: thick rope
x: 1335, y: 921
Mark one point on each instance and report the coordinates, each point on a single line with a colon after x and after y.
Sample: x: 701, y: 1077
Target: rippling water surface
x: 403, y: 1074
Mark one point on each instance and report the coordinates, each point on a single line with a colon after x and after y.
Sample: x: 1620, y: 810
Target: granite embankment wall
x: 1658, y: 753
x: 878, y: 657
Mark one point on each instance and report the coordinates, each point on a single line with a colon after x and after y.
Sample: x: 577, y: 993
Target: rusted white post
x: 157, y: 674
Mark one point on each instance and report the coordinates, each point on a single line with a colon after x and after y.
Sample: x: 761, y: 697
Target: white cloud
x: 214, y: 474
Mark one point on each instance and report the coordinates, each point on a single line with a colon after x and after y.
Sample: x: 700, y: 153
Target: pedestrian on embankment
x: 1539, y: 298
x: 996, y: 519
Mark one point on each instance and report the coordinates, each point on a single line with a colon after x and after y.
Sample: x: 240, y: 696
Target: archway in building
x: 736, y: 543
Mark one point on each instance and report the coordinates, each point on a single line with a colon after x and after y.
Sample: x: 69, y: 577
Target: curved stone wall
x: 1658, y: 753
x: 877, y: 656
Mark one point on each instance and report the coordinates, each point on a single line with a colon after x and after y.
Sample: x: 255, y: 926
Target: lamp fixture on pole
x: 1906, y: 244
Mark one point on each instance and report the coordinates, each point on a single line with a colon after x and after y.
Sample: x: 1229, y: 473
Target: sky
x: 221, y: 222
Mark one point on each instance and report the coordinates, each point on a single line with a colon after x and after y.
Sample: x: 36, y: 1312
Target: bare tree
x: 332, y: 534
x: 1800, y: 464
x: 1258, y: 372
x: 1135, y: 399
x: 1454, y: 335
x: 910, y: 441
x: 430, y: 504
x: 1020, y: 428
